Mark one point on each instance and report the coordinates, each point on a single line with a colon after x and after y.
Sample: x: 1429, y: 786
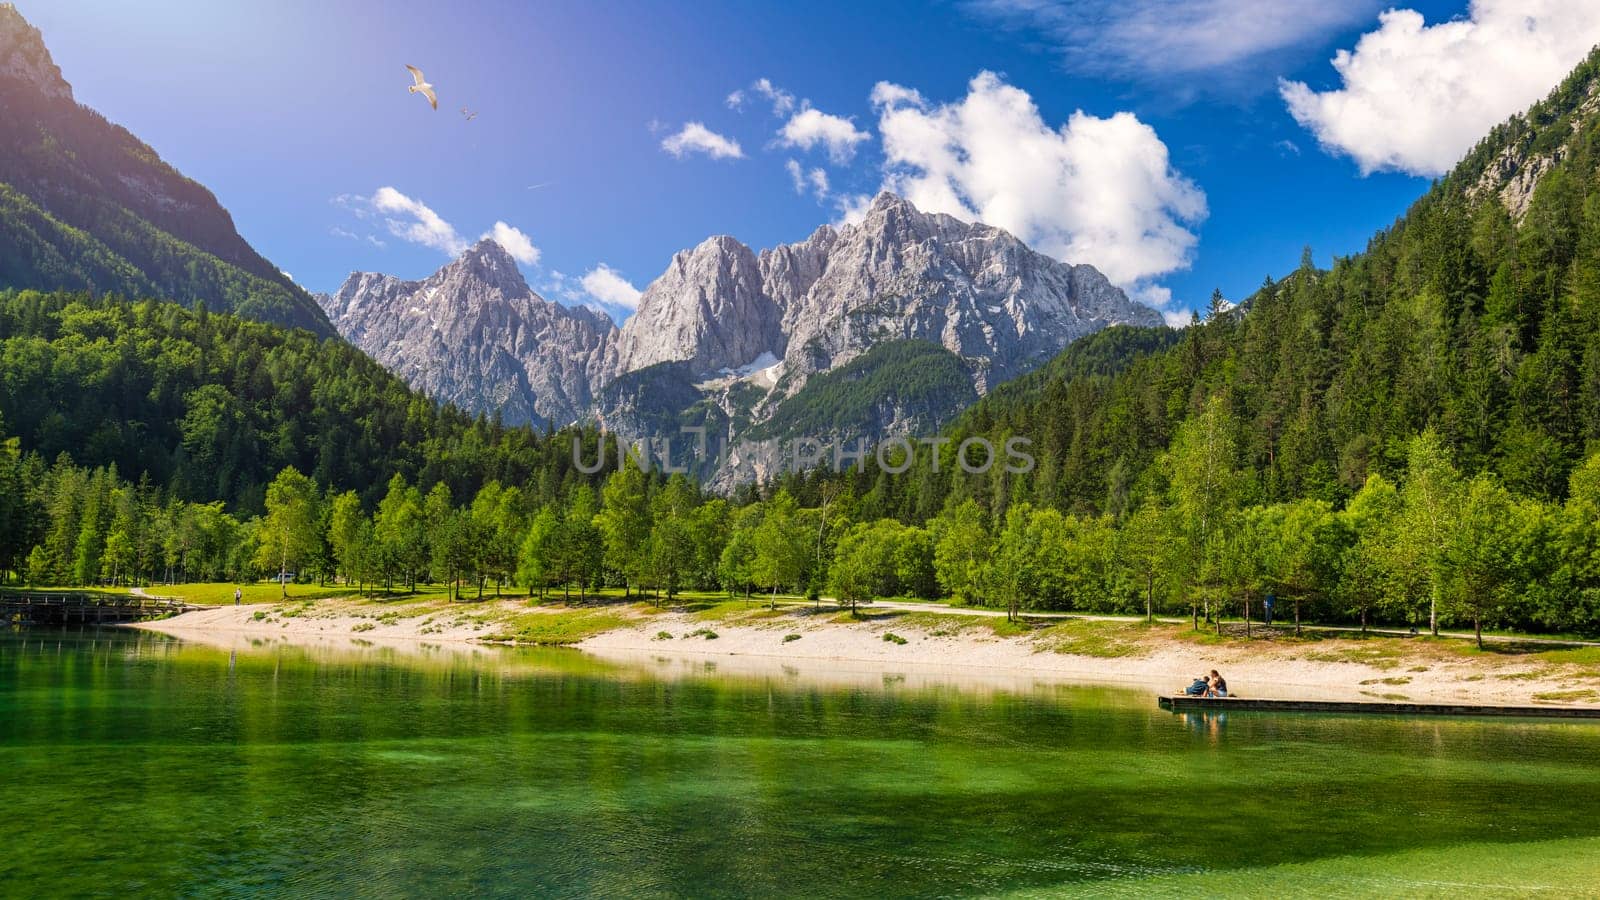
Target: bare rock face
x: 474, y: 334
x: 907, y: 275
x: 899, y: 275
x: 708, y: 309
x: 24, y: 57
x: 1514, y: 172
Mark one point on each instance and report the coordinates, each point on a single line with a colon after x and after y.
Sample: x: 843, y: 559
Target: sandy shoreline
x: 935, y: 648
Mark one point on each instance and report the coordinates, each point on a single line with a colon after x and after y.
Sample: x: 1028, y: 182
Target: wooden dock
x: 84, y: 608
x: 1184, y: 703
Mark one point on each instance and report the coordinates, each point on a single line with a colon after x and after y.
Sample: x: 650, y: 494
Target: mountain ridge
x: 91, y: 207
x: 743, y: 330
x: 476, y: 335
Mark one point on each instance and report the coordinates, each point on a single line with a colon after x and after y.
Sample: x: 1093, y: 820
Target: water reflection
x: 261, y: 766
x: 1207, y: 723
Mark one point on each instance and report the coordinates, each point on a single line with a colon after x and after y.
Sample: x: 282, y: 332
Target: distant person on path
x: 1266, y: 609
x: 1219, y: 687
x: 237, y: 596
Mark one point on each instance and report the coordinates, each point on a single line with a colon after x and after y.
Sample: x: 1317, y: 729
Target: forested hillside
x: 86, y: 205
x: 212, y: 407
x: 913, y: 382
x: 1477, y: 314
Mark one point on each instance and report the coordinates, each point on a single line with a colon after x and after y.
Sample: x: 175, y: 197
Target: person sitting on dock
x: 1200, y: 688
x: 1219, y: 687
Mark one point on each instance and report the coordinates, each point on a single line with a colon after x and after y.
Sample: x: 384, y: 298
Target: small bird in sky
x: 423, y: 87
x: 468, y: 114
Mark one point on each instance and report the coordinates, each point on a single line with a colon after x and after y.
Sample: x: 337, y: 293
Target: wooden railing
x: 81, y: 607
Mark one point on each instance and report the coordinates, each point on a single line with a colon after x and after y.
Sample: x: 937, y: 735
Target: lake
x: 136, y: 763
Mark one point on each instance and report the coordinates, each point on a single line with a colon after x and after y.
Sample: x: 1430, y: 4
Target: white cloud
x: 361, y: 212
x: 888, y: 94
x: 852, y: 209
x: 695, y: 137
x: 782, y: 101
x: 608, y: 286
x: 819, y: 182
x: 815, y: 181
x: 735, y: 100
x: 1098, y: 191
x: 515, y: 242
x: 1160, y: 38
x: 412, y: 220
x: 1416, y: 97
x: 809, y: 128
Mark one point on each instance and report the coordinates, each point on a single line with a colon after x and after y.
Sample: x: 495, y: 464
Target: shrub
x: 790, y: 637
x: 706, y: 633
x: 893, y: 638
x: 663, y: 635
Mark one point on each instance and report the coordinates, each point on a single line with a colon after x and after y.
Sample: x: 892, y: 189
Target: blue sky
x: 1195, y: 163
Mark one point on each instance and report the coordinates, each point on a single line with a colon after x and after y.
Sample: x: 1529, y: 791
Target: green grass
x: 53, y: 588
x: 1574, y: 656
x: 893, y: 638
x: 1206, y: 636
x: 221, y: 593
x: 939, y: 624
x: 1576, y: 694
x: 734, y: 611
x: 1083, y: 637
x: 1530, y: 675
x: 424, y: 594
x: 556, y: 628
x: 1003, y: 627
x: 1371, y: 651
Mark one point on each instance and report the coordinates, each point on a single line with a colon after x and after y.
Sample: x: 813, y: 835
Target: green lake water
x: 136, y: 764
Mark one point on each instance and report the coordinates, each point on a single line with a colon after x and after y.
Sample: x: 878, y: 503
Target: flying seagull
x: 422, y: 87
x: 469, y: 114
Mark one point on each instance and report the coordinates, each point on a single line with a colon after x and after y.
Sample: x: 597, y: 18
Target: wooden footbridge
x: 84, y: 608
x: 1187, y: 704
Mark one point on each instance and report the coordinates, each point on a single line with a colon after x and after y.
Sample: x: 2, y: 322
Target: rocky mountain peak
x: 475, y: 334
x: 889, y: 203
x: 490, y: 265
x: 894, y: 219
x: 23, y: 55
x: 708, y: 309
